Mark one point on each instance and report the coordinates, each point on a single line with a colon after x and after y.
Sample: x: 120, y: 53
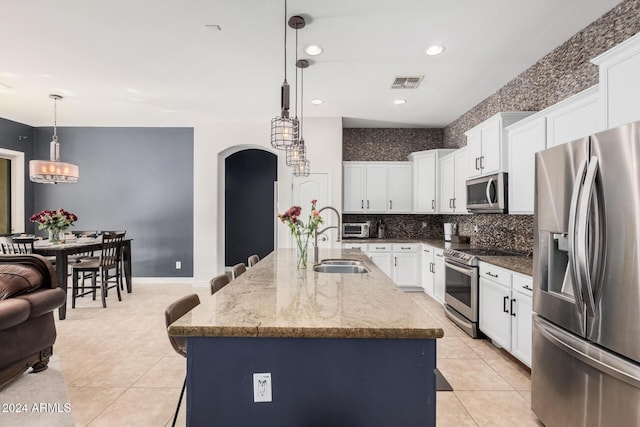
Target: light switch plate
x: 262, y: 387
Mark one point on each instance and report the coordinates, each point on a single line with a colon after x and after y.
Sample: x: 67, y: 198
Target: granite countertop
x: 519, y: 264
x: 275, y: 299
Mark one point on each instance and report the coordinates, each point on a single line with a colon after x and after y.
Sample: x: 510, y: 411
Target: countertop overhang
x: 276, y: 299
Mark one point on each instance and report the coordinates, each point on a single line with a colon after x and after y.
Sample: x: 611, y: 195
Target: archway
x: 250, y: 204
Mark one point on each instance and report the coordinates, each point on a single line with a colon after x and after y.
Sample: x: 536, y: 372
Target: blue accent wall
x: 134, y: 179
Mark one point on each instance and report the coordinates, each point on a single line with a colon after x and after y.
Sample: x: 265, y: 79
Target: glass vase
x: 54, y: 235
x: 302, y: 243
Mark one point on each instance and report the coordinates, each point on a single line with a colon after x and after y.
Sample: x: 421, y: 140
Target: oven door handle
x: 462, y: 270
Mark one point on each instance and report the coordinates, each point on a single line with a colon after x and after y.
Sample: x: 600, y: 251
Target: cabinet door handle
x: 432, y: 268
x: 395, y: 261
x: 504, y: 304
x: 481, y: 162
x: 488, y: 273
x: 390, y: 204
x: 433, y: 204
x: 405, y: 247
x: 451, y: 203
x: 367, y: 204
x: 440, y: 255
x: 361, y: 204
x: 477, y: 159
x: 527, y: 287
x: 513, y: 313
x: 454, y: 203
x: 378, y: 247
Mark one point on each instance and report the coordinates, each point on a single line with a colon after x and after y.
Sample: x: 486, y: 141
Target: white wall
x: 214, y: 142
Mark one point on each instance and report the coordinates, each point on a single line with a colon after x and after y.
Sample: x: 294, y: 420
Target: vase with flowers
x: 55, y: 222
x: 300, y: 230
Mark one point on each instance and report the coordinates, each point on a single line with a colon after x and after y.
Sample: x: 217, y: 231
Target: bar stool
x: 218, y: 283
x: 238, y: 269
x: 253, y: 260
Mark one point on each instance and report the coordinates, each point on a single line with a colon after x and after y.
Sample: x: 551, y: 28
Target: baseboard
x: 163, y: 280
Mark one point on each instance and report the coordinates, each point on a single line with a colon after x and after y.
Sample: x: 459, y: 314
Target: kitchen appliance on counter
x: 461, y: 285
x: 488, y: 194
x: 358, y: 230
x: 586, y: 351
x: 450, y: 229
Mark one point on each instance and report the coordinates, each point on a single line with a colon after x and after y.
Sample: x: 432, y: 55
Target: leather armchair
x: 28, y: 298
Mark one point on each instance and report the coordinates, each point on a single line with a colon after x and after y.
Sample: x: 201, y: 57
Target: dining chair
x: 237, y: 270
x: 17, y: 245
x: 253, y: 260
x: 218, y: 283
x: 176, y: 310
x: 121, y: 260
x: 108, y: 266
x: 85, y: 233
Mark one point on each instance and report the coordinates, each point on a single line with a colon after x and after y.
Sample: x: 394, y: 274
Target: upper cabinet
x: 426, y: 180
x: 619, y: 83
x: 453, y: 177
x: 377, y: 187
x: 575, y: 117
x: 486, y: 144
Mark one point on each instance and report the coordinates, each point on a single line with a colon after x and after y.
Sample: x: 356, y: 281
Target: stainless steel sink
x: 341, y: 266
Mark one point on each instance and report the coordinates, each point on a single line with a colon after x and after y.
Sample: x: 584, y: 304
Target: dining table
x: 62, y: 251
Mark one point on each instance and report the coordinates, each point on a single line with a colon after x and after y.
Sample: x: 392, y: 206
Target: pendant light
x: 296, y: 153
x: 53, y: 171
x: 303, y: 168
x: 284, y: 129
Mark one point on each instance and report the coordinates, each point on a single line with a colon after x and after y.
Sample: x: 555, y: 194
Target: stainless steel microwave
x: 488, y: 194
x: 355, y: 229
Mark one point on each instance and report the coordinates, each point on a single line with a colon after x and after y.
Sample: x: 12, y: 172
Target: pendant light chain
x: 55, y: 119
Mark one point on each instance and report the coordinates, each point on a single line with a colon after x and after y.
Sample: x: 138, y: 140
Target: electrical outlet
x: 475, y: 228
x: 262, y: 387
x: 178, y: 265
x: 424, y: 224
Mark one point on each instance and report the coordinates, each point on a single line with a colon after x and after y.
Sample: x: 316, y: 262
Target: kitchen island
x: 341, y: 349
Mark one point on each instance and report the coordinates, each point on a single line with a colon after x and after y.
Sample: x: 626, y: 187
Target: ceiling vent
x: 406, y: 82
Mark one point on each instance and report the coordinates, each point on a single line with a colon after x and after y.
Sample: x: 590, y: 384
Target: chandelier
x: 301, y: 166
x: 53, y: 171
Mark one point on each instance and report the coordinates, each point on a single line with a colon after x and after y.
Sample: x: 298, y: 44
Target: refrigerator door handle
x: 588, y: 353
x: 573, y: 212
x: 584, y: 242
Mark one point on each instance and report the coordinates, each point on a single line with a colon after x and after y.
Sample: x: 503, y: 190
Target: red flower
x: 314, y: 201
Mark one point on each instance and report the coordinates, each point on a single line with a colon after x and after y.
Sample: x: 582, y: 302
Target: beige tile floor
x: 121, y: 370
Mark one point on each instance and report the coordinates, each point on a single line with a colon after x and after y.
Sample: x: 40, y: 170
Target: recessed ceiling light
x: 316, y: 101
x: 434, y: 50
x: 313, y: 50
x: 400, y: 101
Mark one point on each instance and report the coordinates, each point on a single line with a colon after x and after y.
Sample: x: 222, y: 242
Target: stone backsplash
x: 513, y: 232
x: 387, y: 144
x: 565, y: 71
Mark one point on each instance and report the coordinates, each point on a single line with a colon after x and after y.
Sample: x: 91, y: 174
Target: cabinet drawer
x: 361, y: 246
x: 405, y: 247
x: 497, y: 274
x: 523, y: 284
x: 379, y: 247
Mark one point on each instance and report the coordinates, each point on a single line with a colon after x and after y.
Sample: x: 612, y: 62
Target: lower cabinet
x: 406, y: 265
x: 506, y: 310
x: 433, y: 272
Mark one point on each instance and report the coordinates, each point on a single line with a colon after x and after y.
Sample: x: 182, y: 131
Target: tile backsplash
x: 387, y: 144
x: 513, y: 232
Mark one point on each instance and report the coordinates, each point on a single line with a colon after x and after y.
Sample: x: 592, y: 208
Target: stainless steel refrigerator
x: 586, y: 300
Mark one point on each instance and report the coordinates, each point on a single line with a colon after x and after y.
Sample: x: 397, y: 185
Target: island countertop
x: 276, y: 299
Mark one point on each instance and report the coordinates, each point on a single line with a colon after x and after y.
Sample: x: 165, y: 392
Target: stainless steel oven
x: 461, y: 290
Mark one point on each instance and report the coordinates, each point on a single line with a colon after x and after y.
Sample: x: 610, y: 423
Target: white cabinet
x: 377, y: 187
x: 575, y: 117
x: 426, y: 180
x: 426, y: 264
x: 453, y: 177
x: 619, y: 84
x: 399, y: 189
x: 381, y: 255
x: 486, y: 142
x: 525, y: 138
x: 406, y: 265
x: 438, y: 276
x: 506, y: 310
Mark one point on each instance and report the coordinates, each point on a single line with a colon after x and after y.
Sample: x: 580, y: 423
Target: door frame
x: 17, y: 188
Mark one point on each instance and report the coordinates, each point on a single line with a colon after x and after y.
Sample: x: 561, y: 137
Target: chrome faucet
x: 338, y: 227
